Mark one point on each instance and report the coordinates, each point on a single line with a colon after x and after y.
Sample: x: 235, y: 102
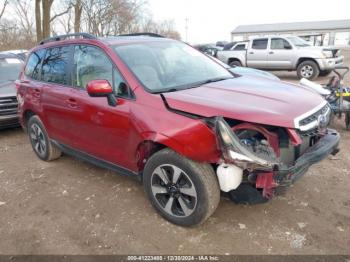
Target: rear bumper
x: 326, y: 146
x: 330, y: 63
x: 9, y: 121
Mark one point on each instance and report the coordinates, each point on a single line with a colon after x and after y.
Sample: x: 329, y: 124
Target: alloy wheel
x: 37, y: 138
x: 174, y: 190
x: 307, y: 71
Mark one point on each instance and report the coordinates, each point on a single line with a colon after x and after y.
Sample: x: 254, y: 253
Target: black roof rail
x: 62, y: 37
x: 143, y: 34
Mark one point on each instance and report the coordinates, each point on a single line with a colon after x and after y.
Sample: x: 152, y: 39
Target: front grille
x: 314, y: 116
x: 8, y: 105
x: 319, y: 119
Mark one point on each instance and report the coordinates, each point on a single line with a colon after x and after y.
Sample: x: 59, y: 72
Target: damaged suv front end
x: 270, y: 158
x: 246, y: 136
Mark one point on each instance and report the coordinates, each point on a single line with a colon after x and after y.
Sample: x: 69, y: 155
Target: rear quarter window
x: 32, y: 69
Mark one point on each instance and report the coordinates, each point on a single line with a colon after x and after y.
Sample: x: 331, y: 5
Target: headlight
x: 327, y: 54
x: 234, y: 151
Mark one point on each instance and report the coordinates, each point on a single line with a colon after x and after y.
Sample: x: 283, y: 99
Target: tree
x: 17, y: 26
x: 112, y: 17
x: 39, y: 35
x: 24, y: 17
x: 78, y: 9
x: 3, y: 8
x: 164, y: 27
x: 43, y: 17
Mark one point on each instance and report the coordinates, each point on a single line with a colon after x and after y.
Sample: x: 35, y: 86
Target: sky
x: 211, y: 21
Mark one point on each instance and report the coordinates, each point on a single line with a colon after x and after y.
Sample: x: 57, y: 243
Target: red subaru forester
x: 159, y: 110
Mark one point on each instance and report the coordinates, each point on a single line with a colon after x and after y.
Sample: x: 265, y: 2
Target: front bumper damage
x: 325, y: 146
x: 265, y: 178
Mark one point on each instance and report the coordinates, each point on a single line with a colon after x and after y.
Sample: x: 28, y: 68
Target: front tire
x: 40, y: 141
x: 235, y: 63
x: 308, y: 69
x: 183, y: 191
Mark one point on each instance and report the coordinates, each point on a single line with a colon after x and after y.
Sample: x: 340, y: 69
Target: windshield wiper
x: 166, y: 91
x: 211, y: 80
x: 218, y: 79
x: 196, y: 84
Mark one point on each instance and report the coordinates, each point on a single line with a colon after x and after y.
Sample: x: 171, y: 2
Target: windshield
x: 9, y: 69
x: 170, y: 66
x: 297, y: 41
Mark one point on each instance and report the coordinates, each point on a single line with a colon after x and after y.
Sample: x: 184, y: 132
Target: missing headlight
x: 235, y: 151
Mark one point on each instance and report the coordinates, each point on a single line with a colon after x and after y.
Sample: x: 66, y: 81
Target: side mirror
x: 101, y: 88
x: 288, y: 47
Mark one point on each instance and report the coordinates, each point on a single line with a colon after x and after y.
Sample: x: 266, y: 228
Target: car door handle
x: 251, y: 53
x: 271, y: 52
x: 72, y: 102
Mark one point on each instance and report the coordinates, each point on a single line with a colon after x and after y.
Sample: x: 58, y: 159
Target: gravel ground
x: 71, y: 207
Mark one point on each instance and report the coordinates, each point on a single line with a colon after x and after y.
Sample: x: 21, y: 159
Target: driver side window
x: 91, y: 63
x: 279, y: 43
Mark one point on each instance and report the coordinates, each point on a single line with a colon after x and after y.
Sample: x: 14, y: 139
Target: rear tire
x: 325, y: 72
x: 235, y: 63
x: 184, y: 192
x: 40, y: 140
x: 308, y: 69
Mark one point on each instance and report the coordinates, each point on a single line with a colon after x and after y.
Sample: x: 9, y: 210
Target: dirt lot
x: 71, y: 207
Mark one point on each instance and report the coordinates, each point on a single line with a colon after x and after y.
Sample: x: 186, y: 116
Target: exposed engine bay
x: 259, y: 161
x: 266, y: 156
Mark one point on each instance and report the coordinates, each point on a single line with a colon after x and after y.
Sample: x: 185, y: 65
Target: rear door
x: 29, y: 84
x: 280, y: 54
x: 257, y: 53
x: 57, y: 105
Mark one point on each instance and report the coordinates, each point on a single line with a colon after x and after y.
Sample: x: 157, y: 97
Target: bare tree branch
x: 3, y: 8
x: 62, y: 13
x: 24, y: 14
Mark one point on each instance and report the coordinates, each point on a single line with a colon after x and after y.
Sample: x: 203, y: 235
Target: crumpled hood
x: 7, y: 89
x: 249, y: 99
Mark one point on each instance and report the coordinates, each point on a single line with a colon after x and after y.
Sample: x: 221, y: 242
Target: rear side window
x: 54, y: 69
x: 33, y: 65
x: 260, y: 43
x: 239, y: 47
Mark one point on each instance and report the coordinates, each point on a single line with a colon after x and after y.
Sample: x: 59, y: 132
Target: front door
x: 104, y: 131
x: 280, y: 54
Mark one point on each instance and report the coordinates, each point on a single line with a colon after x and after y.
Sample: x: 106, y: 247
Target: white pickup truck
x: 283, y: 53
